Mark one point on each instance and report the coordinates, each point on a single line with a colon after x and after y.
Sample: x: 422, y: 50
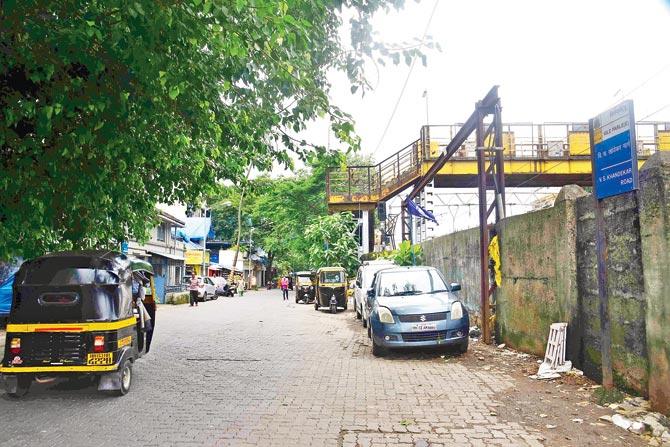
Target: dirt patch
x: 564, y: 410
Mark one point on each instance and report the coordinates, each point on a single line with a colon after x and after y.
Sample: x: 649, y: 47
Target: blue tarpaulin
x: 195, y: 229
x: 419, y: 211
x: 6, y: 295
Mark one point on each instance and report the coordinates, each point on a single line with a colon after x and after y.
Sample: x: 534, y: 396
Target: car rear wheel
x: 204, y: 297
x: 358, y: 313
x: 316, y: 305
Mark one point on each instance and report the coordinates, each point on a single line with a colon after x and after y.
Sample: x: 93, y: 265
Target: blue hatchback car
x: 413, y: 306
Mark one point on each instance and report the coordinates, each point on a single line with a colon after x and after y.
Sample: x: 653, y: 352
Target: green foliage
x: 407, y: 254
x: 606, y: 397
x: 332, y: 243
x: 109, y: 107
x: 280, y: 209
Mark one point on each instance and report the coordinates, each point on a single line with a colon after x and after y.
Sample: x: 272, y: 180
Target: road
x: 254, y: 370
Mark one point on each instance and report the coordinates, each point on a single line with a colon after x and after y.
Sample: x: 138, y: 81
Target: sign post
x: 614, y: 170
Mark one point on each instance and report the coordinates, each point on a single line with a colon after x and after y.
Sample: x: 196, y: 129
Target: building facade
x: 165, y: 253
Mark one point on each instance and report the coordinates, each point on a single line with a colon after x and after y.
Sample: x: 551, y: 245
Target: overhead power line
x: 409, y: 74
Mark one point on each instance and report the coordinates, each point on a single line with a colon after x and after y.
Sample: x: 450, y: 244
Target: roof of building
x: 171, y: 219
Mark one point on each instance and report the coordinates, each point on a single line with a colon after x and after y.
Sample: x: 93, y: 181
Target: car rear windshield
x: 410, y: 282
x: 332, y: 277
x: 369, y: 273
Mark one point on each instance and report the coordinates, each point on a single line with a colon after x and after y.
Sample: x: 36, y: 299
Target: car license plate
x: 99, y: 358
x: 424, y: 327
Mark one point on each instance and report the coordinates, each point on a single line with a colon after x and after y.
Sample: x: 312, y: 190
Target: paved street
x: 258, y: 371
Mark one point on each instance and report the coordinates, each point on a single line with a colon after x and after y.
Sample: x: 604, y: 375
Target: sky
x: 553, y: 60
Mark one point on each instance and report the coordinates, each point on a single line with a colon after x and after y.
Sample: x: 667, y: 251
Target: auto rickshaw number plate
x: 99, y: 358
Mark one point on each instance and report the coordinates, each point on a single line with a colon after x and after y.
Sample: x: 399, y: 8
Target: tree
x: 332, y: 242
x: 279, y: 209
x: 407, y: 254
x: 109, y: 107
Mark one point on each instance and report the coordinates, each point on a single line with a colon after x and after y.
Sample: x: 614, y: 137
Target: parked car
x: 366, y: 273
x: 207, y: 289
x: 413, y: 306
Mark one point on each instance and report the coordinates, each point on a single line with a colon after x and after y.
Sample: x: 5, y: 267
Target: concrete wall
x: 549, y: 274
x: 538, y: 263
x: 625, y: 288
x: 655, y: 235
x: 457, y: 256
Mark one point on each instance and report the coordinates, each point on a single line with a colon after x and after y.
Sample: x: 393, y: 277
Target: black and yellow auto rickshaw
x: 73, y: 313
x: 305, y: 289
x: 331, y: 289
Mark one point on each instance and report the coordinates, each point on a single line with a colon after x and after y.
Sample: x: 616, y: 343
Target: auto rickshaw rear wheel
x: 126, y: 379
x: 23, y: 385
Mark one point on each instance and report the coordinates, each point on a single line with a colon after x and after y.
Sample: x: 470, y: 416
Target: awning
x: 167, y: 255
x: 215, y: 267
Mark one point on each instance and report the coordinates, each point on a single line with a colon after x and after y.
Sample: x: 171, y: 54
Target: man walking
x: 284, y: 288
x: 193, y: 287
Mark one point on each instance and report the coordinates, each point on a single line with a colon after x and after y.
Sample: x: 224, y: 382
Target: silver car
x: 366, y: 273
x: 207, y: 289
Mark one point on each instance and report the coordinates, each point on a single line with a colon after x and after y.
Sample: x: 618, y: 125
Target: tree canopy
x: 279, y: 209
x: 332, y: 243
x: 109, y: 107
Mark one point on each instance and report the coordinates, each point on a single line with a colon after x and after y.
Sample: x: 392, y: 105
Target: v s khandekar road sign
x: 613, y: 151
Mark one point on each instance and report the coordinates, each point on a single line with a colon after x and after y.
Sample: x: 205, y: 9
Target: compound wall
x: 549, y: 274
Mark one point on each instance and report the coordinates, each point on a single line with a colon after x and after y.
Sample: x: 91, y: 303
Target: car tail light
x: 15, y: 346
x: 99, y: 343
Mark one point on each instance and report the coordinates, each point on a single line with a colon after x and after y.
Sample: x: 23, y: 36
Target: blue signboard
x: 613, y: 152
x: 124, y: 248
x: 214, y: 257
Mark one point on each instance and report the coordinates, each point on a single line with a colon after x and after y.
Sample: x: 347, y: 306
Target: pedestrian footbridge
x: 535, y: 155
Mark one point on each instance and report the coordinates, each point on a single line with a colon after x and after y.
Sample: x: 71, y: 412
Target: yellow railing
x: 541, y: 145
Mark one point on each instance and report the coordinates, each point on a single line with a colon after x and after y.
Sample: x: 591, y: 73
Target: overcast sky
x: 554, y: 61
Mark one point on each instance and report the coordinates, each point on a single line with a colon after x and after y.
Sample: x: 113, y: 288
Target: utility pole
x: 203, y: 273
x: 251, y: 232
x: 239, y: 229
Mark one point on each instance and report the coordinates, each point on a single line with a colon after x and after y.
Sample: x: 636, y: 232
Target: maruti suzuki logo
x: 422, y: 318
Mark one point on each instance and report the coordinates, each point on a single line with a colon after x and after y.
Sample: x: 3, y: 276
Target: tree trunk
x: 268, y: 268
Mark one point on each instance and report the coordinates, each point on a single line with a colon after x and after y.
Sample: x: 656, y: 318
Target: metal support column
x: 365, y: 232
x: 483, y: 228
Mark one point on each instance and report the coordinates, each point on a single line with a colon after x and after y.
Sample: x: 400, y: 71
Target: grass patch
x: 605, y: 397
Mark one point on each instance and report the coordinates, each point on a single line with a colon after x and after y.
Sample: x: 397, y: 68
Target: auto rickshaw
x: 305, y: 287
x: 331, y: 289
x: 74, y: 313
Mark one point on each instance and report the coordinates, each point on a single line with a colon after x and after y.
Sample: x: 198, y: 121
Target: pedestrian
x: 284, y: 288
x: 193, y: 287
x: 149, y: 302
